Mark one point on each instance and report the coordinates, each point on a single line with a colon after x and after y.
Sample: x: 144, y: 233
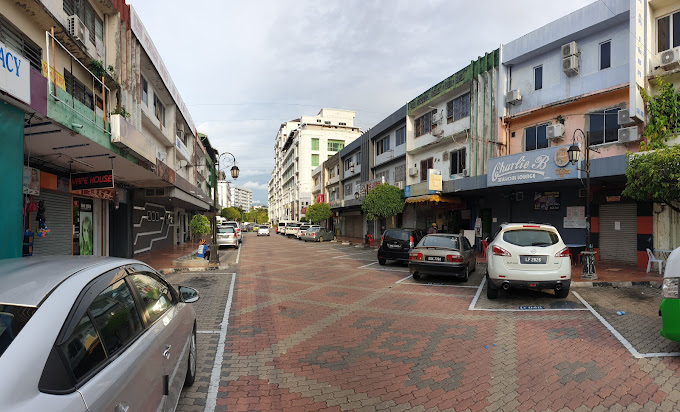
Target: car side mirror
x: 189, y: 295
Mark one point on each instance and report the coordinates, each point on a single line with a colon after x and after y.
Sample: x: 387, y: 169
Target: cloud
x: 254, y: 185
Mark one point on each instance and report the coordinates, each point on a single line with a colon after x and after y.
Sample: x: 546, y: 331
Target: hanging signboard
x: 15, y: 77
x: 531, y: 167
x: 434, y: 180
x: 92, y: 180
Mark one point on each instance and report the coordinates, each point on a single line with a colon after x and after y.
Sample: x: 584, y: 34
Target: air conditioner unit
x: 555, y: 131
x: 670, y: 59
x: 629, y: 134
x: 413, y: 171
x: 399, y: 184
x: 466, y: 173
x: 513, y: 97
x: 436, y: 117
x: 624, y: 118
x: 438, y: 132
x: 570, y: 65
x: 77, y: 28
x: 569, y: 49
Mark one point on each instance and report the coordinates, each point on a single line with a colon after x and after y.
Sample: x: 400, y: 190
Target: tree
x: 654, y: 176
x: 318, y: 212
x: 382, y: 201
x: 199, y: 226
x: 230, y: 213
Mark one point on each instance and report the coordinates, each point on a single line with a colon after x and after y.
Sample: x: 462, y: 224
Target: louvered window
x: 15, y: 39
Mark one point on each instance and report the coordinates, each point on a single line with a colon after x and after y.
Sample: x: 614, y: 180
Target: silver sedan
x: 93, y: 334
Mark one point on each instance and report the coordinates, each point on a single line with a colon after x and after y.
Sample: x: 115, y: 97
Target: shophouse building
x: 301, y: 146
x: 95, y: 121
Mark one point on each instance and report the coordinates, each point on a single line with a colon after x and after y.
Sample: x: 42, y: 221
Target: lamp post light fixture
x: 574, y: 153
x: 214, y: 247
x: 356, y: 195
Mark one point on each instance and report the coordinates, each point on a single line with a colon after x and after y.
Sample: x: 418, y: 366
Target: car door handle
x: 166, y: 352
x: 122, y: 407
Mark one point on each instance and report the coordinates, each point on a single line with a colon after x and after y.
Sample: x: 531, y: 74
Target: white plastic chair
x: 653, y: 259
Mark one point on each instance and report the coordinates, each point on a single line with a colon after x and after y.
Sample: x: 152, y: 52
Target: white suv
x: 237, y: 229
x: 528, y: 256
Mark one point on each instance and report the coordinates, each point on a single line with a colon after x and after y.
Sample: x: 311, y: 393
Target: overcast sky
x: 243, y: 68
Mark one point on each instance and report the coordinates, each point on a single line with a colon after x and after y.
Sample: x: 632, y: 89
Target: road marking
x: 479, y: 292
x: 361, y: 267
x: 238, y: 255
x: 620, y: 337
x: 211, y: 401
x: 399, y: 281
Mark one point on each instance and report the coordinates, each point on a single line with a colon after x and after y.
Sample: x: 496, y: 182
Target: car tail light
x: 535, y: 226
x: 415, y: 256
x: 563, y: 253
x: 499, y: 251
x: 313, y: 234
x: 454, y: 258
x: 410, y: 242
x: 382, y: 238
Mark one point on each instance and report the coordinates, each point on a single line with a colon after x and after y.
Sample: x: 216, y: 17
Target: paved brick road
x: 311, y: 330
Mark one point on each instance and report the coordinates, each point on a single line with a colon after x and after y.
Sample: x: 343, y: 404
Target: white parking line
x: 364, y: 266
x: 211, y: 401
x: 620, y: 337
x: 238, y: 256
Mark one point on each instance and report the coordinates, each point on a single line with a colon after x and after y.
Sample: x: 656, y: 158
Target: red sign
x: 92, y: 180
x: 320, y: 198
x: 106, y: 194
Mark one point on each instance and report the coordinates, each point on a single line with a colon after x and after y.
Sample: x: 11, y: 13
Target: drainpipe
x: 491, y: 115
x: 484, y: 122
x: 476, y: 94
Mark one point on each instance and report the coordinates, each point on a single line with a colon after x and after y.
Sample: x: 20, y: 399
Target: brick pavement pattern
x: 308, y: 333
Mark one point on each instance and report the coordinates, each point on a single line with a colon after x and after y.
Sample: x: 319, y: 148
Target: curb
x: 623, y: 284
x: 182, y: 270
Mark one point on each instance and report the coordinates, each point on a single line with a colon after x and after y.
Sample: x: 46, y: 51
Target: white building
x: 224, y: 193
x: 242, y: 198
x: 301, y: 146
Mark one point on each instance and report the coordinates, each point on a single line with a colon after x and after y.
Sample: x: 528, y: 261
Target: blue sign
x: 534, y: 166
x: 407, y: 191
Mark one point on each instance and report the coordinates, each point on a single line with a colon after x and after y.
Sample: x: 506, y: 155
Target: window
x: 156, y: 297
x: 318, y: 120
x: 535, y: 138
x: 315, y: 144
x: 357, y: 158
x: 145, y: 91
x: 83, y: 350
x: 115, y: 316
x: 604, y: 127
x: 425, y: 165
x: 78, y: 90
x: 348, y: 163
x: 327, y: 122
x: 458, y: 158
x: 315, y: 160
x: 400, y: 136
x: 343, y: 124
x: 382, y: 146
x: 384, y: 175
x: 458, y: 108
x: 159, y: 109
x: 12, y: 320
x: 668, y: 32
x: 400, y: 173
x: 605, y: 55
x: 348, y: 189
x: 424, y: 124
x: 331, y: 173
x: 335, y: 145
x: 15, y: 39
x: 538, y: 78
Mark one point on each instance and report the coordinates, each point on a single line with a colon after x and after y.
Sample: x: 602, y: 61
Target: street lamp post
x: 574, y: 152
x: 214, y: 247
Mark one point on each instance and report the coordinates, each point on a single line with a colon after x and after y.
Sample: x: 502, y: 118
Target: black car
x: 396, y: 243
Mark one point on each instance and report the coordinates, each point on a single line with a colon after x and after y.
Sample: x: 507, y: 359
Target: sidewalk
x: 162, y: 259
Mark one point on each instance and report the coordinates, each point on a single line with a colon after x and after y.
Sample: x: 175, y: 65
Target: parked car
x: 93, y: 334
x: 281, y: 228
x: 528, y: 256
x: 442, y: 254
x: 292, y: 229
x: 396, y: 243
x: 304, y: 228
x: 226, y: 236
x: 669, y: 309
x: 317, y: 234
x: 263, y: 230
x: 237, y: 228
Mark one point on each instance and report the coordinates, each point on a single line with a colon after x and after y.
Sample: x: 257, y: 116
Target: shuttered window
x: 78, y: 90
x: 15, y: 39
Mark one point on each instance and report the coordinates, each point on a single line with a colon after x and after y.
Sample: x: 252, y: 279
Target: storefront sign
x: 31, y: 181
x: 434, y: 180
x: 92, y: 180
x: 320, y: 198
x: 106, y: 194
x: 613, y: 199
x: 365, y: 187
x: 530, y: 167
x: 182, y: 150
x: 15, y: 74
x: 638, y: 70
x: 125, y: 135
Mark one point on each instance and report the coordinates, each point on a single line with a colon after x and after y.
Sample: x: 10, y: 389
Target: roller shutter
x: 618, y: 242
x: 58, y: 221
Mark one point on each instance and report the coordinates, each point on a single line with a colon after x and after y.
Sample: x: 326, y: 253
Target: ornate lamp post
x: 574, y: 152
x: 214, y: 247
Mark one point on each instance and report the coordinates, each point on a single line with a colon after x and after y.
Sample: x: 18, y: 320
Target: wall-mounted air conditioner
x: 466, y: 173
x: 624, y: 119
x: 554, y: 131
x: 569, y: 49
x: 438, y: 132
x: 513, y: 97
x: 77, y: 29
x: 436, y: 117
x: 413, y: 171
x: 670, y: 59
x: 629, y: 134
x: 570, y: 65
x: 399, y: 184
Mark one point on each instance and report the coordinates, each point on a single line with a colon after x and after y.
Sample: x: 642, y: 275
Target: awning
x: 433, y: 199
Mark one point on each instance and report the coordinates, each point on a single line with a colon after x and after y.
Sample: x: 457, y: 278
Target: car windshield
x: 531, y: 237
x: 225, y: 230
x: 444, y: 242
x: 397, y: 234
x: 314, y: 229
x: 12, y: 320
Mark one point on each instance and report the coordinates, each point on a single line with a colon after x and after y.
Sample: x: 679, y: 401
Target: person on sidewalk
x: 432, y: 229
x: 206, y: 249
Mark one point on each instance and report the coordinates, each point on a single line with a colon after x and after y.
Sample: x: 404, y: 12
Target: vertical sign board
x: 638, y: 10
x: 434, y: 180
x: 15, y: 76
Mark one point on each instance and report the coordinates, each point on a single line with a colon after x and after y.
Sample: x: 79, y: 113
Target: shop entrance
x: 618, y: 233
x: 83, y: 224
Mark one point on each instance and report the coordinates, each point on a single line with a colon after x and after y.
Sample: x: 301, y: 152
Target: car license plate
x: 393, y: 246
x: 434, y: 258
x: 533, y: 259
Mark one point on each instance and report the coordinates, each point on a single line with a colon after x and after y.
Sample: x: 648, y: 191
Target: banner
x: 57, y: 78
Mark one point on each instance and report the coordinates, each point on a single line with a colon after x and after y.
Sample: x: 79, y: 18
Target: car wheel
x: 416, y: 275
x: 466, y: 274
x: 191, y: 368
x: 562, y: 293
x: 320, y: 239
x: 474, y: 266
x: 491, y: 291
x: 382, y: 262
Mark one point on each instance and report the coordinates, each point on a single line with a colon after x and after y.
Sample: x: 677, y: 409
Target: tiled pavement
x: 312, y: 330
